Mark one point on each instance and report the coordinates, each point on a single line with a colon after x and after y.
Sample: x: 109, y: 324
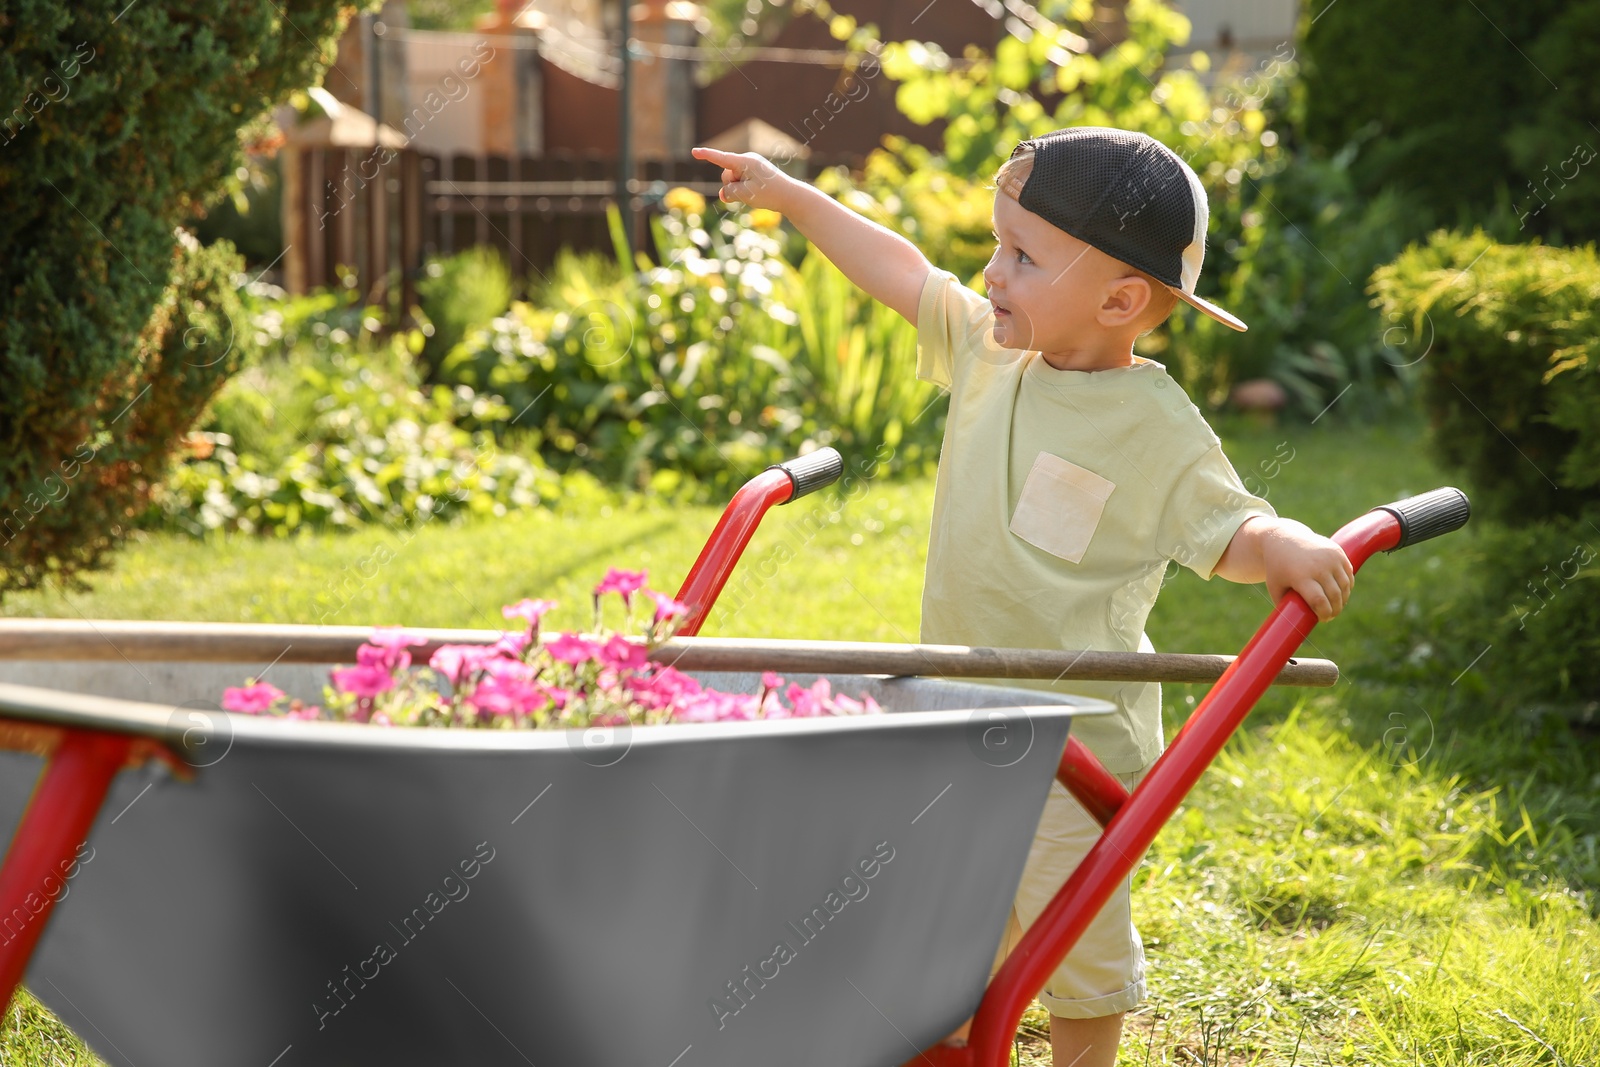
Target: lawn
x: 1390, y: 872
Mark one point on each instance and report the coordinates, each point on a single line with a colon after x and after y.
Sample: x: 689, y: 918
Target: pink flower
x: 305, y: 711
x: 392, y: 641
x: 387, y: 651
x: 624, y: 583
x: 530, y: 610
x: 809, y: 703
x: 571, y: 648
x: 663, y: 688
x: 458, y: 662
x: 251, y: 699
x: 843, y: 705
x: 623, y: 655
x: 512, y: 644
x: 713, y: 706
x: 773, y: 708
x: 365, y: 680
x: 505, y: 667
x: 506, y: 695
x: 697, y: 708
x: 771, y: 680
x: 666, y: 607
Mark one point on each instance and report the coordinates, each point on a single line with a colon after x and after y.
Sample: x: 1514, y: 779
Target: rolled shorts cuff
x: 1126, y: 999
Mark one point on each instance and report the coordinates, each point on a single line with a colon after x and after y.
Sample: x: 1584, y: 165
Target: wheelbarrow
x: 190, y: 887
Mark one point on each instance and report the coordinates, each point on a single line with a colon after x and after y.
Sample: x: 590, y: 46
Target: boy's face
x: 1049, y: 289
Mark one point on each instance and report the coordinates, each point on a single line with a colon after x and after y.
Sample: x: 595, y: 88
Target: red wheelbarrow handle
x: 1134, y: 820
x: 778, y: 484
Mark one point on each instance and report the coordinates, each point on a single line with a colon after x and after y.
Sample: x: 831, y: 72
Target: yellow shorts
x: 1104, y: 972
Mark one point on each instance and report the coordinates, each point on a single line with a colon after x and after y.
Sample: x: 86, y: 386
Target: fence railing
x: 376, y: 217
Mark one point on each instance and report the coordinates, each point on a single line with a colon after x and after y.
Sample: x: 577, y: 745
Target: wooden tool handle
x: 961, y: 661
x: 264, y: 643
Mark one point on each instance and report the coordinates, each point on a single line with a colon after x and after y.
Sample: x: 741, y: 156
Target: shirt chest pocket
x: 1060, y: 507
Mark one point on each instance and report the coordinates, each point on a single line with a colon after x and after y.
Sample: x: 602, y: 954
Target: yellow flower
x: 685, y: 200
x: 765, y: 219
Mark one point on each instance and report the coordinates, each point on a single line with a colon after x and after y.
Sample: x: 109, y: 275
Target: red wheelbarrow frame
x: 83, y: 762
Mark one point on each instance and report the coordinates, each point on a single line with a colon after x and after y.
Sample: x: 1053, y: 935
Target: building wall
x: 452, y: 119
x: 1249, y: 25
x: 795, y: 97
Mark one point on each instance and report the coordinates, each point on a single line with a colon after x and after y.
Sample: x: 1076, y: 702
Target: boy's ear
x: 1126, y: 300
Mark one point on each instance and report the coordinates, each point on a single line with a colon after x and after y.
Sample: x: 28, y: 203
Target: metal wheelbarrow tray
x: 820, y: 891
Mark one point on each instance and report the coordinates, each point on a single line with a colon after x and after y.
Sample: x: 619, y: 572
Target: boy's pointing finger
x: 711, y: 155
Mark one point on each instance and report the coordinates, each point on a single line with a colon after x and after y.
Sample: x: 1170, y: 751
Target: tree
x: 114, y: 331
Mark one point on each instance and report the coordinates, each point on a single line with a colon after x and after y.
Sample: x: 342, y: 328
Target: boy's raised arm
x: 889, y: 268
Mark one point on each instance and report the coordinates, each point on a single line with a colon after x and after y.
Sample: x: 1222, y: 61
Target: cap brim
x: 1233, y: 322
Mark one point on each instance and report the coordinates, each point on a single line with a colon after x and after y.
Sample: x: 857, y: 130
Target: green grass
x: 1391, y: 872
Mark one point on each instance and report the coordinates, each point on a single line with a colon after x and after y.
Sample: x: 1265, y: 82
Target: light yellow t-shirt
x: 1061, y: 497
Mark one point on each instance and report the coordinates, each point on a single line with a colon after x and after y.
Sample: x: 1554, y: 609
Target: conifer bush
x: 116, y: 122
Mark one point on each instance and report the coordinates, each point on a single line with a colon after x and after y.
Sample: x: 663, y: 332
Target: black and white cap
x: 1128, y: 195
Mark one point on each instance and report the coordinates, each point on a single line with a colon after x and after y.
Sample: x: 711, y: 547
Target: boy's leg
x: 1085, y: 1042
x: 1073, y: 1042
x: 1103, y: 976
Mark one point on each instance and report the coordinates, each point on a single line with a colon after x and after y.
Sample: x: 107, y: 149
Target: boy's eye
x: 1023, y: 257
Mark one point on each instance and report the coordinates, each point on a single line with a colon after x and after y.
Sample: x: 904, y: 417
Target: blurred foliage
x: 447, y: 14
x: 1306, y: 243
x: 906, y: 187
x: 718, y: 361
x: 1474, y: 109
x: 458, y: 293
x: 122, y: 121
x: 334, y: 428
x: 1534, y: 602
x: 1556, y: 193
x: 250, y: 216
x: 1508, y: 338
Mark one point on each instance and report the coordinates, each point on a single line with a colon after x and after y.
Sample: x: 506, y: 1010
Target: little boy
x: 1072, y: 470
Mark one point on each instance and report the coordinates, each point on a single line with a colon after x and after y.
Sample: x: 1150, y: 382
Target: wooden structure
x: 377, y: 215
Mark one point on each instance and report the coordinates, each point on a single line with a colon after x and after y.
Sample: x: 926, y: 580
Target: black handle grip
x: 1438, y: 512
x: 812, y: 471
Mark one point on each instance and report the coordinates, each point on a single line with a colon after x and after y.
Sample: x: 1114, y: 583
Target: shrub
x: 1512, y: 368
x: 1511, y: 386
x: 1536, y: 606
x: 335, y: 429
x: 460, y: 293
x: 120, y: 121
x: 710, y: 366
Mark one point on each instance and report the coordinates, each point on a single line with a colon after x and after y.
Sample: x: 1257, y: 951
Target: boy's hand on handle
x: 1296, y: 557
x: 1290, y: 555
x: 748, y: 178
